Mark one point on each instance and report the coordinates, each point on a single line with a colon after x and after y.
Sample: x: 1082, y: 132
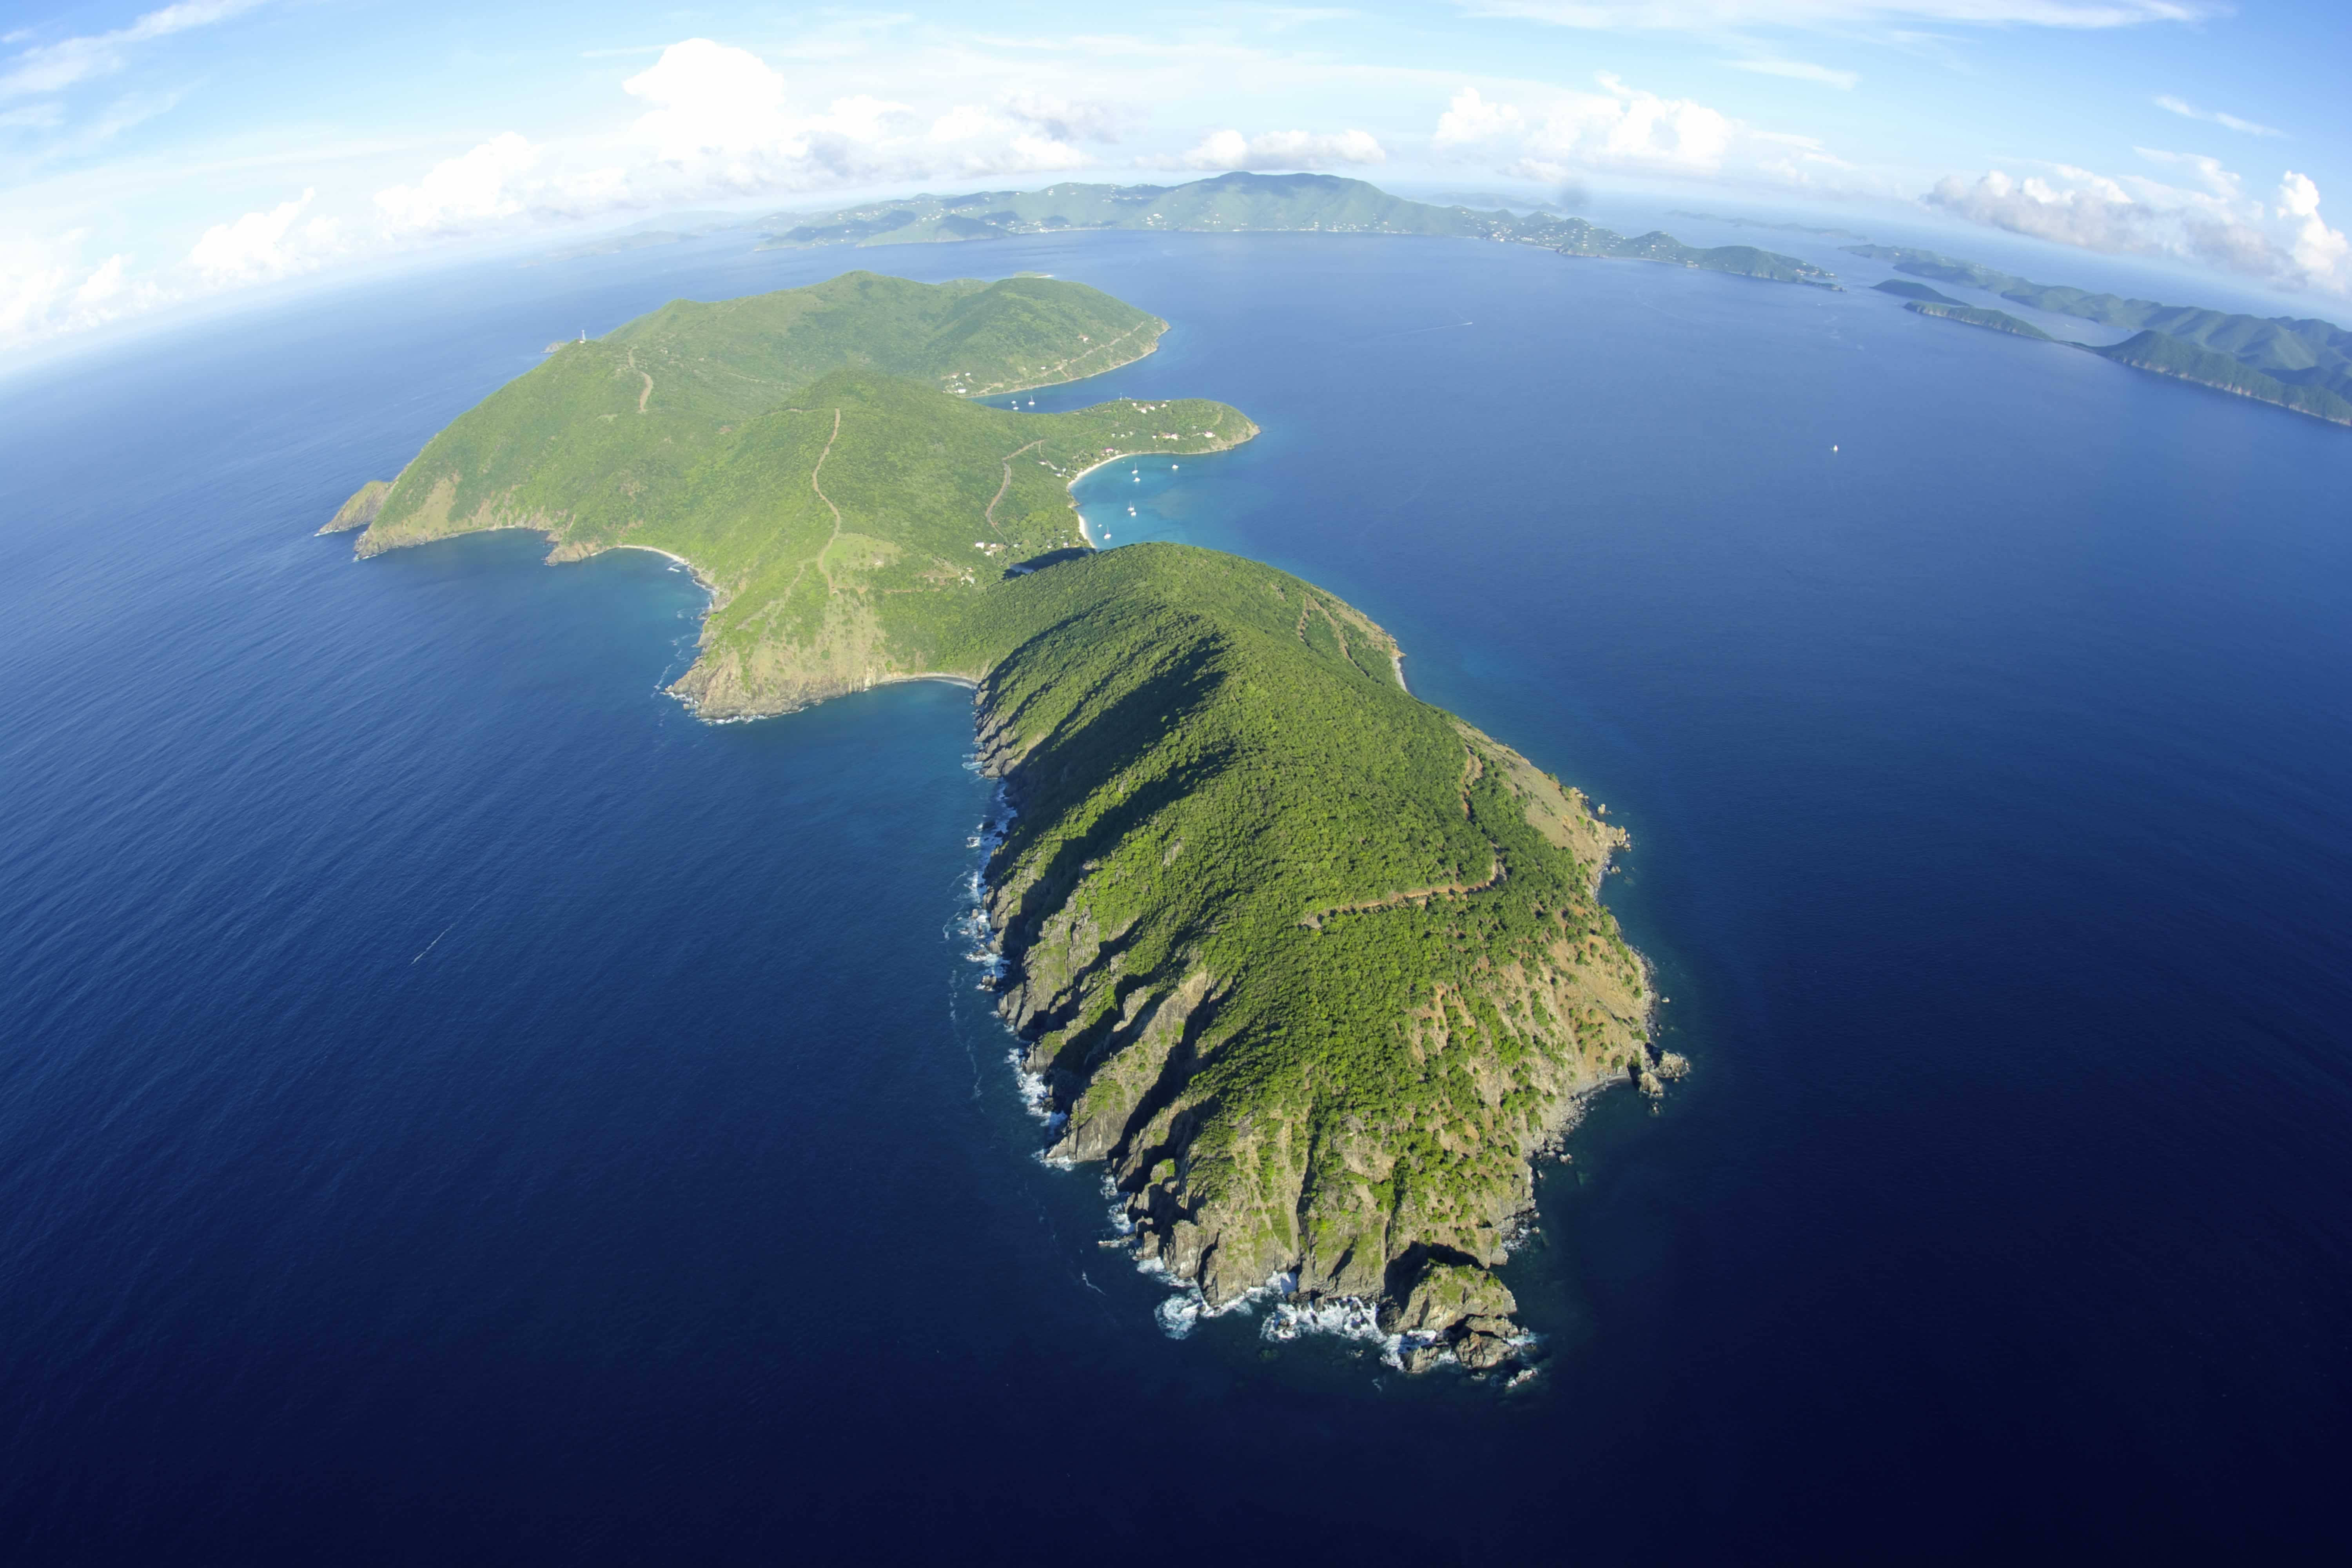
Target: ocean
x: 456, y: 1107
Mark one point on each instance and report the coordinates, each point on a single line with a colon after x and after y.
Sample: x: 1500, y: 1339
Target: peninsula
x: 1315, y: 969
x: 2305, y: 365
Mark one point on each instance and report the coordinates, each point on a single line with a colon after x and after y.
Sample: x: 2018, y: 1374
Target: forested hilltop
x: 2301, y: 364
x: 1316, y: 968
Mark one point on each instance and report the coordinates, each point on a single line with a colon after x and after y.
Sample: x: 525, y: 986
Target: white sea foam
x: 1179, y: 1315
x: 1342, y: 1317
x: 971, y: 920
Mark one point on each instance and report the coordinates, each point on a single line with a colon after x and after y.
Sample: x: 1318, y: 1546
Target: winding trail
x: 1059, y: 366
x: 988, y: 517
x: 785, y: 597
x: 836, y: 536
x: 1411, y: 895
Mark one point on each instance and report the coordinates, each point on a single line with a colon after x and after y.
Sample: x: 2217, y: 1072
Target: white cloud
x: 45, y: 288
x: 462, y: 193
x: 261, y: 245
x: 1284, y: 150
x: 34, y: 287
x: 1062, y: 119
x: 709, y: 101
x: 2080, y: 208
x: 2214, y: 117
x: 1027, y: 155
x: 1622, y: 127
x: 1556, y: 137
x: 2318, y: 250
x: 1799, y: 70
x: 2287, y: 243
x: 52, y: 67
x: 1708, y: 15
x: 720, y: 121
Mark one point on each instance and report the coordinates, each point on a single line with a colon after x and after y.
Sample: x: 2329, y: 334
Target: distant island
x: 1227, y: 203
x: 1927, y: 301
x: 1258, y: 204
x: 1314, y: 968
x: 2304, y: 364
x: 1763, y: 223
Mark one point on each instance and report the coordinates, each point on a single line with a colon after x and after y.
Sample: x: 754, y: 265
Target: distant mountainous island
x: 1227, y: 203
x: 1315, y: 968
x: 1258, y: 204
x: 2304, y: 364
x: 1927, y: 301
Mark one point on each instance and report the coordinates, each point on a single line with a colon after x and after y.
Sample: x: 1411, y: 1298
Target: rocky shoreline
x: 1427, y: 1307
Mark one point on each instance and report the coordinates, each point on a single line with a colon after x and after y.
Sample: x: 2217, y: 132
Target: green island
x: 1316, y: 970
x: 1228, y: 204
x: 1930, y: 302
x: 2305, y: 365
x: 1253, y: 204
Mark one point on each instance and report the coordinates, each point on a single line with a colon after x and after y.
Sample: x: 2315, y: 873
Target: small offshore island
x: 1316, y: 970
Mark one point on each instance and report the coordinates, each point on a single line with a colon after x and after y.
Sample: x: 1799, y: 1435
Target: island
x: 1926, y: 301
x: 1313, y: 969
x: 1255, y: 203
x: 2305, y: 365
x: 1226, y: 204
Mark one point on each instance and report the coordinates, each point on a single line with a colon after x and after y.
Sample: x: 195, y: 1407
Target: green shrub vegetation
x: 1316, y: 967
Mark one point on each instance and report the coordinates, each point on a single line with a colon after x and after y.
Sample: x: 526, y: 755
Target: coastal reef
x: 1313, y: 969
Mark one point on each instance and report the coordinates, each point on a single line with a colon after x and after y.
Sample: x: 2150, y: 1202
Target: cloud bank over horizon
x: 113, y: 214
x: 2284, y: 242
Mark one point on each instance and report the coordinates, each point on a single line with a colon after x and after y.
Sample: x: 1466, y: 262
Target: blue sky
x: 154, y: 156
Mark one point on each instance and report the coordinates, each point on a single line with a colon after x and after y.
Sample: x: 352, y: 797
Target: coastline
x: 1072, y: 485
x: 691, y: 569
x: 685, y: 700
x: 1145, y: 352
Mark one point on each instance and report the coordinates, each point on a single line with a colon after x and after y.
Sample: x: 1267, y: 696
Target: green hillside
x: 767, y: 440
x: 2169, y: 356
x: 1314, y: 966
x: 1237, y: 204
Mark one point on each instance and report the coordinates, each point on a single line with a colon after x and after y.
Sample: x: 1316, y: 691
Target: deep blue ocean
x: 457, y: 1108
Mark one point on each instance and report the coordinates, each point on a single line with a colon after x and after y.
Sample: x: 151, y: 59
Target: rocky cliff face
x: 1404, y: 1205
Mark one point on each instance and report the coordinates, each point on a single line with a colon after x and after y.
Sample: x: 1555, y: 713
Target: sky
x: 156, y: 158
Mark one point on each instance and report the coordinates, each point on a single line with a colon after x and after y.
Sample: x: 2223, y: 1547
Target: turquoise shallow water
x: 455, y: 1106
